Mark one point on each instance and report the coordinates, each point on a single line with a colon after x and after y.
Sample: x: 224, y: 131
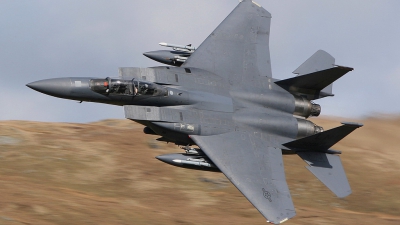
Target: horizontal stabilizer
x: 310, y: 85
x: 329, y: 170
x: 324, y: 140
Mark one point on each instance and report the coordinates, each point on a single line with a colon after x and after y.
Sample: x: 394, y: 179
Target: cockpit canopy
x: 111, y: 86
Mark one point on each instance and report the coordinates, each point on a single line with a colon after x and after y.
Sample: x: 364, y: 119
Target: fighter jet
x: 223, y: 105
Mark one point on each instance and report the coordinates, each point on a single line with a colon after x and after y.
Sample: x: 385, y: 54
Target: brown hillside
x: 106, y: 173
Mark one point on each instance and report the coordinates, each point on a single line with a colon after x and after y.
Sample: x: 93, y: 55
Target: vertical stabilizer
x: 329, y: 170
x: 320, y: 60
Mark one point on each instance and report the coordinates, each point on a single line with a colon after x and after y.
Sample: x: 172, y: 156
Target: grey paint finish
x: 189, y: 161
x: 224, y: 100
x: 166, y: 56
x: 329, y: 170
x: 197, y: 79
x: 323, y: 141
x: 320, y: 60
x: 75, y: 88
x: 255, y: 168
x: 239, y: 47
x: 312, y: 85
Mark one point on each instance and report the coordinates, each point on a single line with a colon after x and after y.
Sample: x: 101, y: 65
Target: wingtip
x: 251, y: 1
x: 353, y: 124
x: 344, y: 195
x: 344, y: 67
x: 282, y: 221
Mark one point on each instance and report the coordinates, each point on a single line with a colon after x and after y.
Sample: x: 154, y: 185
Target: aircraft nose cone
x: 155, y: 55
x: 58, y: 87
x: 169, y: 158
x: 163, y: 158
x: 147, y: 54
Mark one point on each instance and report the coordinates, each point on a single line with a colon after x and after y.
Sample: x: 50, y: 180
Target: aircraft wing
x: 254, y: 168
x: 238, y: 47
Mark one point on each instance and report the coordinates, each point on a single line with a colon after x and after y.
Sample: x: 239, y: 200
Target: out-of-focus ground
x: 105, y: 173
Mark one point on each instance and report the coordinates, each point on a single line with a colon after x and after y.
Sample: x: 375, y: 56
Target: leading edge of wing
x: 239, y: 46
x: 256, y: 170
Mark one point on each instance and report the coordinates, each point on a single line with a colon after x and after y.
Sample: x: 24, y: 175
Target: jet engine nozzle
x: 305, y: 108
x: 315, y: 109
x: 307, y: 128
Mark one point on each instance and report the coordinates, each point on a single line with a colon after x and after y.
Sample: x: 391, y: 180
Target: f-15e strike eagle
x: 221, y: 102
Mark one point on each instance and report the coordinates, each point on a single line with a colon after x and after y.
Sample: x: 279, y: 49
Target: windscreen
x: 127, y: 87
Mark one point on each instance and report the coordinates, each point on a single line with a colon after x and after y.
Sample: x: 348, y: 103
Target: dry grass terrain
x: 106, y: 173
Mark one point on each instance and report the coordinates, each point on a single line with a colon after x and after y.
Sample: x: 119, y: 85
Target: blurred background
x: 100, y: 169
